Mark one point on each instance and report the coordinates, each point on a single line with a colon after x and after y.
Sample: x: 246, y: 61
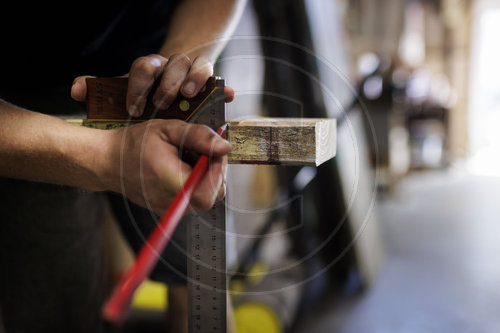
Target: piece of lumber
x: 290, y: 141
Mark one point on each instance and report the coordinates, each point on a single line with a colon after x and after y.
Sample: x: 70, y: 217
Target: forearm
x: 141, y: 161
x: 202, y: 27
x: 39, y: 147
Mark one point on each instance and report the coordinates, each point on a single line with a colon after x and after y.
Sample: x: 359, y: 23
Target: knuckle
x: 167, y: 90
x: 204, y: 129
x: 204, y: 68
x: 170, y: 125
x: 203, y: 132
x: 164, y: 96
x: 145, y: 65
x: 155, y: 124
x: 137, y: 95
x: 180, y: 59
x: 175, y: 123
x: 204, y: 202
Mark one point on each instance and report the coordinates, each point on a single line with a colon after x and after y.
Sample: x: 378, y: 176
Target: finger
x: 200, y: 71
x: 143, y: 74
x: 198, y: 138
x: 222, y: 189
x: 174, y: 73
x: 229, y: 93
x: 205, y: 194
x: 79, y: 88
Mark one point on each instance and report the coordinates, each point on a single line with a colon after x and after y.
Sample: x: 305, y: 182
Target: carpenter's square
x: 206, y: 237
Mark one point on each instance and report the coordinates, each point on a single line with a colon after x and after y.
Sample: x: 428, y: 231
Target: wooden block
x: 291, y: 141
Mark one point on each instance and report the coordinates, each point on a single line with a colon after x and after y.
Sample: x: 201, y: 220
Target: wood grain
x: 290, y: 141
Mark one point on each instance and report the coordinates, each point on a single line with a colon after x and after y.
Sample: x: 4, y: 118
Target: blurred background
x: 399, y: 232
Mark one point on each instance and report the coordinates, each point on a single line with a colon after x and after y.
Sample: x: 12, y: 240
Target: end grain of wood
x: 290, y: 141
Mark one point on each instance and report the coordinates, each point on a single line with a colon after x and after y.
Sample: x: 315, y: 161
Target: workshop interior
x: 399, y: 231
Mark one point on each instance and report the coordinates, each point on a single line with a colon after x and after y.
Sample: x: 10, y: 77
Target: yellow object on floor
x: 151, y: 295
x: 254, y: 317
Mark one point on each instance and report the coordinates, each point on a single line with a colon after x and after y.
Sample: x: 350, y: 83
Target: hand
x: 144, y: 163
x: 176, y: 74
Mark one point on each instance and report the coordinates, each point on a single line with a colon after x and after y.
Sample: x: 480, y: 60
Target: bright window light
x: 484, y: 108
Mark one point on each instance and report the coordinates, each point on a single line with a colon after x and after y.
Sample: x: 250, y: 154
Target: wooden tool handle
x: 106, y: 99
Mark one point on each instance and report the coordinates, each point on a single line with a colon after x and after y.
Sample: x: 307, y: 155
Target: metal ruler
x: 206, y: 244
x: 207, y: 283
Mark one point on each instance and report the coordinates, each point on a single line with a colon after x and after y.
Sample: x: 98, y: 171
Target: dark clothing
x: 50, y: 236
x: 51, y: 258
x: 52, y: 46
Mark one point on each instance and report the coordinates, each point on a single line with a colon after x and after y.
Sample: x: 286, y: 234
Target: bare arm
x: 141, y: 161
x: 201, y: 28
x: 38, y: 147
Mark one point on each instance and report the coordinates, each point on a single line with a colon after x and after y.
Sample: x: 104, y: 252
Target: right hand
x: 144, y: 163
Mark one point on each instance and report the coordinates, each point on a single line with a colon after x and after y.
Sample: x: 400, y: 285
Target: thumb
x: 79, y: 88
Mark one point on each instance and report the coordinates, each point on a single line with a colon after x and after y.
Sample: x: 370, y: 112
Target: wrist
x: 95, y: 156
x: 106, y: 166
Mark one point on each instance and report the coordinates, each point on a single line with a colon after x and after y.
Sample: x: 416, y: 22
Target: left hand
x: 177, y: 74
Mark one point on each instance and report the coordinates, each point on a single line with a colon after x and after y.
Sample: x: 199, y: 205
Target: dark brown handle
x: 106, y: 101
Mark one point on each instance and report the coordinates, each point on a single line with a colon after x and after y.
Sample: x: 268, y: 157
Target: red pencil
x: 116, y: 307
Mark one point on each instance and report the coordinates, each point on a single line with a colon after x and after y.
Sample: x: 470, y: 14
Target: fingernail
x: 188, y: 88
x: 133, y: 111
